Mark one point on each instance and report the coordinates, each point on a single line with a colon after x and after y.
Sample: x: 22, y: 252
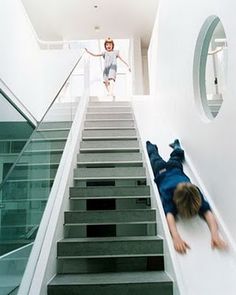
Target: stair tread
x: 111, y: 278
x: 110, y: 173
x: 107, y: 223
x: 110, y: 157
x: 110, y: 216
x: 111, y: 211
x: 112, y: 239
x: 111, y: 197
x: 48, y: 139
x: 53, y: 129
x: 43, y: 151
x: 110, y: 191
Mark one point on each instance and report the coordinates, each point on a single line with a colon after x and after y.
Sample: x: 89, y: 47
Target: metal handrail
x: 35, y: 130
x: 60, y: 89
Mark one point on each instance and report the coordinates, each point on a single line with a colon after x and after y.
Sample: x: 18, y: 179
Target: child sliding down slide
x: 180, y: 196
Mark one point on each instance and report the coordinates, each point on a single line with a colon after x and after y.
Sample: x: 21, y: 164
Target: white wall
x: 137, y: 67
x: 210, y: 145
x: 145, y: 71
x: 32, y: 74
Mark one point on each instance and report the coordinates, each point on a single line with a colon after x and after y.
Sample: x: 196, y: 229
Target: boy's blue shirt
x: 167, y: 182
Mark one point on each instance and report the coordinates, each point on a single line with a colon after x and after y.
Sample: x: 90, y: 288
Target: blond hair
x: 187, y: 199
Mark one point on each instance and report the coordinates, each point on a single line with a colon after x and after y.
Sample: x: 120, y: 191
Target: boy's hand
x: 180, y: 245
x: 217, y: 242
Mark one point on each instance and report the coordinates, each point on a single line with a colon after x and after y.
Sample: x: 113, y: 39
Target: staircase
x: 110, y: 244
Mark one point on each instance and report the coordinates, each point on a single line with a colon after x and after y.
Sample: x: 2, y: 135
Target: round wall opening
x: 210, y: 68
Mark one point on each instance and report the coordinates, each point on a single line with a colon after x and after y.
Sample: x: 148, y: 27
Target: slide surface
x: 203, y: 270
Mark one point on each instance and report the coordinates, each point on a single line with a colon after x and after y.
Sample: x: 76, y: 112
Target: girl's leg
x: 107, y: 85
x: 111, y: 87
x: 157, y: 163
x: 112, y: 78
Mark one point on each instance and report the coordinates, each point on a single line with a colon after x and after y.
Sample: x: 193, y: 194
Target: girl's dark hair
x: 109, y: 40
x: 187, y: 199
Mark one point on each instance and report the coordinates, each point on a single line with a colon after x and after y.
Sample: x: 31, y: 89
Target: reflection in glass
x: 210, y: 68
x: 216, y: 69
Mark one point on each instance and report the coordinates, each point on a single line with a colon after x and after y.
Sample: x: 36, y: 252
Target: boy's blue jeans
x: 158, y: 164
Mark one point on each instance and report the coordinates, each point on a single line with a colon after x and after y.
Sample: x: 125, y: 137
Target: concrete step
x: 18, y: 217
x: 12, y: 266
x: 55, y: 125
x: 51, y: 134
x: 14, y: 232
x: 111, y: 123
x: 30, y: 182
x: 43, y: 157
x: 110, y: 216
x: 109, y: 146
x: 33, y: 172
x: 137, y: 173
x: 119, y: 229
x: 107, y: 116
x: 109, y: 103
x: 110, y: 246
x: 23, y: 204
x: 109, y: 192
x: 27, y: 189
x: 56, y: 144
x: 109, y: 159
x: 126, y: 283
x: 34, y: 166
x: 111, y: 109
x: 119, y: 203
x: 109, y: 134
x: 113, y: 264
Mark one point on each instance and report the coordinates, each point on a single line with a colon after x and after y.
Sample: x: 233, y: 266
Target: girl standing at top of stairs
x: 110, y: 64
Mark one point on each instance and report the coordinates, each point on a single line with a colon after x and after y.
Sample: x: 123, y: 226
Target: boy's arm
x: 124, y: 62
x: 180, y: 245
x: 89, y: 52
x: 216, y: 241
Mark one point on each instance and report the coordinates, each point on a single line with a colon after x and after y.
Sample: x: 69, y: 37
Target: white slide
x: 203, y: 270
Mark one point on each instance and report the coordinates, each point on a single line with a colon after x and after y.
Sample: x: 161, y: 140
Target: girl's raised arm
x: 99, y: 54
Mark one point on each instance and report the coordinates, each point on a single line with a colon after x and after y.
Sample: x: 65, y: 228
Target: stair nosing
x: 108, y: 120
x: 111, y: 239
x: 108, y: 223
x: 109, y: 128
x: 48, y: 139
x: 53, y: 129
x: 108, y: 177
x: 109, y: 256
x: 110, y: 162
x: 111, y: 197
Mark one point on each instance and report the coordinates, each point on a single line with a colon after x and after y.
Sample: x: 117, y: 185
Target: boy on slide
x: 179, y: 195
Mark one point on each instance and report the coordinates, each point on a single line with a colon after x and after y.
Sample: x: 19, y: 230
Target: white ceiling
x: 77, y: 19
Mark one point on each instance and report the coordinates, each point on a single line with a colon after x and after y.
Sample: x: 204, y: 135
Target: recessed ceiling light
x: 96, y: 28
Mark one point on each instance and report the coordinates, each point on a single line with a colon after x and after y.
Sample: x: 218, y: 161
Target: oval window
x: 210, y: 67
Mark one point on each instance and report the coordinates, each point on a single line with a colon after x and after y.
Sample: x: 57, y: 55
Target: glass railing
x: 27, y: 185
x: 15, y: 130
